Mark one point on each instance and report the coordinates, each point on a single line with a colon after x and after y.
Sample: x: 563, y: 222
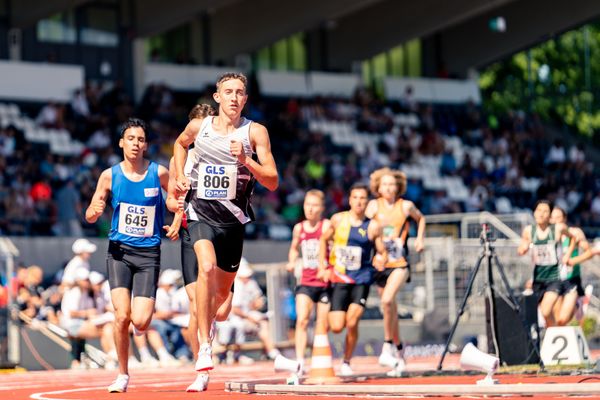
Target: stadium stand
x: 455, y: 159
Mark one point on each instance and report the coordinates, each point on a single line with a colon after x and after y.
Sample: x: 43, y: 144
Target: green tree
x: 550, y: 79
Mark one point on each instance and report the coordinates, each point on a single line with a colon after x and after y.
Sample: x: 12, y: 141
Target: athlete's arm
x: 525, y: 241
x: 163, y: 176
x: 411, y: 210
x: 375, y: 233
x: 172, y: 231
x: 294, y: 252
x: 171, y: 195
x: 583, y: 244
x: 326, y: 235
x: 371, y: 210
x: 265, y: 170
x: 183, y: 141
x: 562, y: 229
x: 98, y: 203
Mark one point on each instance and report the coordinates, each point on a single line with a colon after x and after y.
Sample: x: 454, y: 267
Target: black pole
x: 461, y: 310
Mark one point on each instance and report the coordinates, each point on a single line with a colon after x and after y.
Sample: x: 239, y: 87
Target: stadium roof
x: 354, y: 29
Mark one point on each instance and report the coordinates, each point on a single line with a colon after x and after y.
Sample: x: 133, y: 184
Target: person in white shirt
x: 78, y: 318
x: 83, y: 250
x: 248, y: 300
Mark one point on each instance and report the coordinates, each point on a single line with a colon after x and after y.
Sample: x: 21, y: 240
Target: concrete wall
x: 51, y: 253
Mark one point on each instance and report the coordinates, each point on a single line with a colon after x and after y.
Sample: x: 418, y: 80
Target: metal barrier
x: 442, y: 270
x: 9, y: 330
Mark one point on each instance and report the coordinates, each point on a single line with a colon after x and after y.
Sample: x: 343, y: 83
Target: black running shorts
x: 134, y: 268
x: 227, y: 241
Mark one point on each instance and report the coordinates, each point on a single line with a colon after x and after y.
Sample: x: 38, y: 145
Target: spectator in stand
x: 82, y: 250
x: 595, y: 207
x: 69, y: 212
x: 51, y: 116
x: 29, y: 297
x: 50, y: 310
x: 557, y: 153
x: 576, y: 154
x: 248, y: 301
x: 78, y: 318
x: 171, y: 339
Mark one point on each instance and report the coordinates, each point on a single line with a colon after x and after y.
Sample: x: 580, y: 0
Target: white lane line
x: 42, y: 395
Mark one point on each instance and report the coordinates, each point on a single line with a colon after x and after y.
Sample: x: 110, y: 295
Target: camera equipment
x: 488, y: 252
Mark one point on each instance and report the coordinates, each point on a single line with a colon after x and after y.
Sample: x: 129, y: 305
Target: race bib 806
x: 137, y: 221
x: 217, y: 182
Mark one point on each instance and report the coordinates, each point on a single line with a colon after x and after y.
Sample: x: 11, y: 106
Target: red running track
x: 170, y: 383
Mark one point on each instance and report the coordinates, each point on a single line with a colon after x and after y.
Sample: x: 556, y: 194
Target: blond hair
x: 317, y: 193
x: 375, y: 180
x: 201, y: 111
x: 232, y: 75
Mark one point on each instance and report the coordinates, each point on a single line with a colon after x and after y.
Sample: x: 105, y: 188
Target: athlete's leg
x: 546, y: 306
x: 121, y: 300
x: 205, y: 287
x: 225, y: 308
x: 190, y: 289
x: 224, y: 281
x: 304, y: 306
x: 567, y: 310
x: 141, y: 312
x: 321, y: 320
x: 337, y: 321
x: 355, y: 311
x: 340, y: 300
x: 395, y: 282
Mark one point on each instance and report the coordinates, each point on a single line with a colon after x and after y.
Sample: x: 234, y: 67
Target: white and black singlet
x: 221, y: 187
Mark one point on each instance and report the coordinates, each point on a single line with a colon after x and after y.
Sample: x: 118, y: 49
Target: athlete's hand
x: 290, y: 266
x: 182, y: 184
x: 419, y: 245
x: 324, y: 274
x: 566, y: 259
x: 379, y: 261
x: 97, y: 207
x: 172, y: 232
x: 522, y: 250
x: 237, y: 150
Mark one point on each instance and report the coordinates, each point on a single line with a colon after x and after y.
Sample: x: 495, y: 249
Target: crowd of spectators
x: 77, y: 299
x: 34, y: 182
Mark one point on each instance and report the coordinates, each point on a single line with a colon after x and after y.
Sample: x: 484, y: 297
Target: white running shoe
x: 398, y: 370
x: 346, y: 370
x: 200, y: 384
x: 204, y: 361
x: 245, y: 360
x: 282, y: 363
x: 388, y: 360
x: 119, y: 385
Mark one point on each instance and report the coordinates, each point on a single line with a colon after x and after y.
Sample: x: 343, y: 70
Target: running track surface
x: 170, y: 383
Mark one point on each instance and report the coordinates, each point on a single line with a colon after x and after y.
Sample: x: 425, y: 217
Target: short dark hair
x: 543, y: 201
x: 359, y: 186
x: 133, y: 123
x: 232, y: 75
